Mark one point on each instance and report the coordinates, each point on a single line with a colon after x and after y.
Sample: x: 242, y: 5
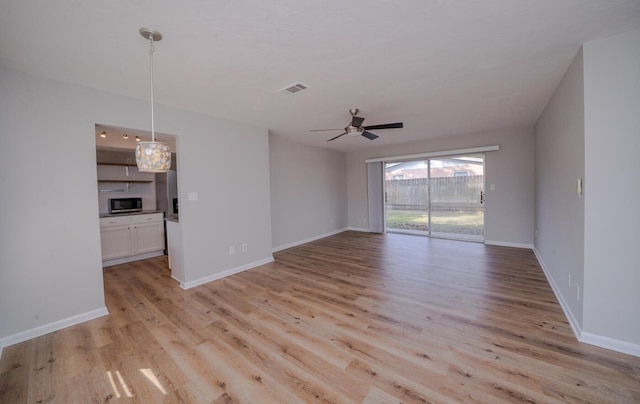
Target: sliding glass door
x: 439, y: 197
x: 457, y: 197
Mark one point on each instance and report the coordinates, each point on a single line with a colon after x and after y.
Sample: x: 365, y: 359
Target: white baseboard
x: 573, y: 322
x: 308, y: 240
x: 582, y: 336
x: 178, y: 280
x: 51, y: 327
x: 224, y: 274
x: 610, y: 343
x: 362, y: 229
x: 506, y: 244
x: 124, y: 260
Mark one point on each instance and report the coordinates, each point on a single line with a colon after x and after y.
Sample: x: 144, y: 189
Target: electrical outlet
x: 569, y: 273
x: 244, y: 247
x: 232, y: 250
x: 578, y: 292
x: 332, y: 221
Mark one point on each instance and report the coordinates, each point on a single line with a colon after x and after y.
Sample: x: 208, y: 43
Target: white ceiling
x: 441, y: 66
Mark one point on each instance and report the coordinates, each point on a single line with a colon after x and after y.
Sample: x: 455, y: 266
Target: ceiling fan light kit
x: 355, y: 127
x: 152, y: 157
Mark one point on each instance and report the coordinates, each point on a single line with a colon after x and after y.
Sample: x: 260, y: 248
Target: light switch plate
x: 193, y: 196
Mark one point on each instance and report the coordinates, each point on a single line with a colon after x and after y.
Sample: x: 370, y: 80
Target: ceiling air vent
x: 294, y: 88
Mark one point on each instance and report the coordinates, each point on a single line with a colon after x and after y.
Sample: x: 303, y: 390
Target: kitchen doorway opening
x: 436, y: 197
x: 140, y: 231
x: 115, y: 156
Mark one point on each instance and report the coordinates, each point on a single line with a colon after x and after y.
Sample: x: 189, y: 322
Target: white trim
x: 224, y: 274
x: 51, y: 327
x: 308, y: 240
x: 507, y: 244
x: 177, y: 280
x: 583, y: 336
x: 610, y: 343
x: 362, y: 229
x: 435, y: 154
x: 573, y: 322
x: 132, y: 258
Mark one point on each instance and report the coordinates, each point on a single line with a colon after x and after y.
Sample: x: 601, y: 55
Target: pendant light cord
x: 151, y: 50
x: 152, y: 157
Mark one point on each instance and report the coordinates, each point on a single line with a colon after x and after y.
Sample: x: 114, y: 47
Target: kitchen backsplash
x: 146, y: 191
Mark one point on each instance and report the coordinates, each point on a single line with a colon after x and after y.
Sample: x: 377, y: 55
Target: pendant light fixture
x: 152, y: 157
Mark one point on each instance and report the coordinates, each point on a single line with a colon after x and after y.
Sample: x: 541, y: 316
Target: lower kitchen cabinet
x: 116, y: 242
x: 148, y: 233
x: 131, y: 237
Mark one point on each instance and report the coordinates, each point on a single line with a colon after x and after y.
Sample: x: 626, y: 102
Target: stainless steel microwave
x: 124, y: 205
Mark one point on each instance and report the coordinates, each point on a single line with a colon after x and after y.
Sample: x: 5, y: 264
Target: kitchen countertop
x: 144, y: 212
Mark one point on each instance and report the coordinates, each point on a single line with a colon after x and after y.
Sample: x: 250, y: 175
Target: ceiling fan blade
x: 356, y: 121
x: 397, y: 125
x: 324, y: 130
x: 369, y: 135
x: 334, y: 138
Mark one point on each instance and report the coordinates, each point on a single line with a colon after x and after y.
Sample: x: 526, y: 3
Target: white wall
x: 227, y: 164
x: 559, y: 155
x: 50, y: 265
x: 509, y: 214
x: 612, y: 188
x: 308, y: 191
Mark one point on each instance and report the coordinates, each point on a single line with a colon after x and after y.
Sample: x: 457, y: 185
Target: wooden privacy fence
x: 447, y: 193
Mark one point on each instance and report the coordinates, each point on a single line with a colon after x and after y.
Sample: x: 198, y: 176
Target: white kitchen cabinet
x: 148, y: 233
x: 129, y: 238
x: 115, y: 242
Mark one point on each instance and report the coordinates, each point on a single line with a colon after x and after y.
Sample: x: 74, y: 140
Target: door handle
x: 385, y: 196
x: 481, y: 197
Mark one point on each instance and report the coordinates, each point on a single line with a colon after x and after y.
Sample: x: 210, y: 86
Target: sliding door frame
x: 427, y: 157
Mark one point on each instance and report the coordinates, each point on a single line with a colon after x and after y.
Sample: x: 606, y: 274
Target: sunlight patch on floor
x: 153, y: 379
x: 121, y: 382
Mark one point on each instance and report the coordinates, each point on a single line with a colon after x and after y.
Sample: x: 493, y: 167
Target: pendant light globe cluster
x: 153, y: 157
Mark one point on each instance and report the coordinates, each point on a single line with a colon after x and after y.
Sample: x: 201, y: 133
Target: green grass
x: 470, y: 222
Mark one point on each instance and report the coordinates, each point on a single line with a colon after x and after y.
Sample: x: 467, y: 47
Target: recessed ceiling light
x: 103, y: 135
x: 137, y: 138
x: 125, y: 136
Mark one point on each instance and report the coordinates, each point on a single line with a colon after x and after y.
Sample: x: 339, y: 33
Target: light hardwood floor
x: 351, y: 318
